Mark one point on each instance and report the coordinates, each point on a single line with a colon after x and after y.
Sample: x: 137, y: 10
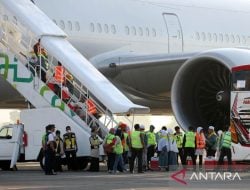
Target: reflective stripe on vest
x: 59, y: 74
x: 91, y: 106
x: 190, y: 140
x: 118, y: 147
x: 70, y: 141
x: 200, y: 140
x: 151, y: 138
x: 136, y: 139
x: 227, y: 140
x: 179, y: 140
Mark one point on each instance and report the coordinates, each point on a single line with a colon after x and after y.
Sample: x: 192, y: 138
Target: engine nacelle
x: 200, y: 93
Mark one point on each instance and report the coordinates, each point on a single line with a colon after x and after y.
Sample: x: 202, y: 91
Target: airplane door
x: 175, y: 37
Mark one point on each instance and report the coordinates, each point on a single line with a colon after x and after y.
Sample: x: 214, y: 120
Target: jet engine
x: 200, y: 94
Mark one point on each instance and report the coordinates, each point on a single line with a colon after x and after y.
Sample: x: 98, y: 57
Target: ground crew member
x: 70, y: 148
x: 125, y: 143
x: 151, y: 144
x: 200, y: 144
x: 179, y: 141
x: 225, y: 147
x: 59, y: 152
x: 211, y: 142
x: 94, y: 146
x: 50, y: 150
x: 189, y: 146
x: 137, y: 145
x: 108, y: 146
x: 118, y: 150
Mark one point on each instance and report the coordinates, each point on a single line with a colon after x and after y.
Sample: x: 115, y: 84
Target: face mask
x: 68, y: 131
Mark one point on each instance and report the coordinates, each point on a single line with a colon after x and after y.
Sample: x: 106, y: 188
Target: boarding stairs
x: 22, y: 24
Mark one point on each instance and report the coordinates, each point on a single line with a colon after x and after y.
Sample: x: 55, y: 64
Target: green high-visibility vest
x: 151, y: 138
x: 110, y: 138
x: 190, y: 140
x: 179, y: 140
x: 126, y: 148
x: 118, y: 147
x: 226, y: 140
x: 136, y: 139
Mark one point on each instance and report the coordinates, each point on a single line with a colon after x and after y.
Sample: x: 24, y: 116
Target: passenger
x: 158, y: 134
x: 211, y: 142
x: 50, y: 151
x: 108, y: 147
x: 59, y: 152
x: 94, y: 146
x: 59, y: 78
x: 172, y: 150
x: 163, y: 150
x: 70, y: 148
x: 151, y: 144
x: 137, y: 145
x: 179, y: 140
x: 118, y: 150
x: 144, y: 151
x: 225, y: 146
x: 41, y: 59
x: 189, y: 146
x: 200, y: 145
x: 69, y: 82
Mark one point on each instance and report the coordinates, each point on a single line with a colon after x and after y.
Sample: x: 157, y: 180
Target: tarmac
x: 29, y: 176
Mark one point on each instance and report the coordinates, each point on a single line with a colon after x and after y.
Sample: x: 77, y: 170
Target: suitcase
x: 154, y: 164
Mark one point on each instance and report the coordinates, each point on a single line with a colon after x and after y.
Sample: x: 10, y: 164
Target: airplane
x: 173, y: 56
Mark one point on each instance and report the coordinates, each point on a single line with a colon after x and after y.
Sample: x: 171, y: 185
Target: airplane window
x: 147, y: 31
x: 215, y: 37
x: 140, y: 31
x: 197, y: 36
x: 203, y: 36
x: 70, y: 25
x: 113, y: 29
x: 77, y: 26
x: 55, y: 21
x: 227, y: 38
x: 209, y: 36
x: 99, y: 27
x: 133, y: 30
x: 62, y: 25
x: 106, y: 28
x: 221, y: 38
x: 238, y: 39
x: 127, y: 30
x: 92, y: 27
x: 153, y: 32
x: 232, y: 38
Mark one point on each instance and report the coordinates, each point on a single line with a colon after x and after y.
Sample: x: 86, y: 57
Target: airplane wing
x: 145, y: 79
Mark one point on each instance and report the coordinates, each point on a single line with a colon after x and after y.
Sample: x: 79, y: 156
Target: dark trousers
x: 150, y: 154
x: 200, y: 159
x: 225, y: 152
x: 125, y: 157
x: 49, y: 161
x: 211, y: 152
x: 71, y: 159
x: 94, y: 164
x: 181, y: 155
x: 189, y: 152
x: 111, y: 161
x: 58, y: 164
x: 136, y: 152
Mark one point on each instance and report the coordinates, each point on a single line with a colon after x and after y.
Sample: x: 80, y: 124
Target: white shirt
x: 51, y: 137
x: 162, y: 142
